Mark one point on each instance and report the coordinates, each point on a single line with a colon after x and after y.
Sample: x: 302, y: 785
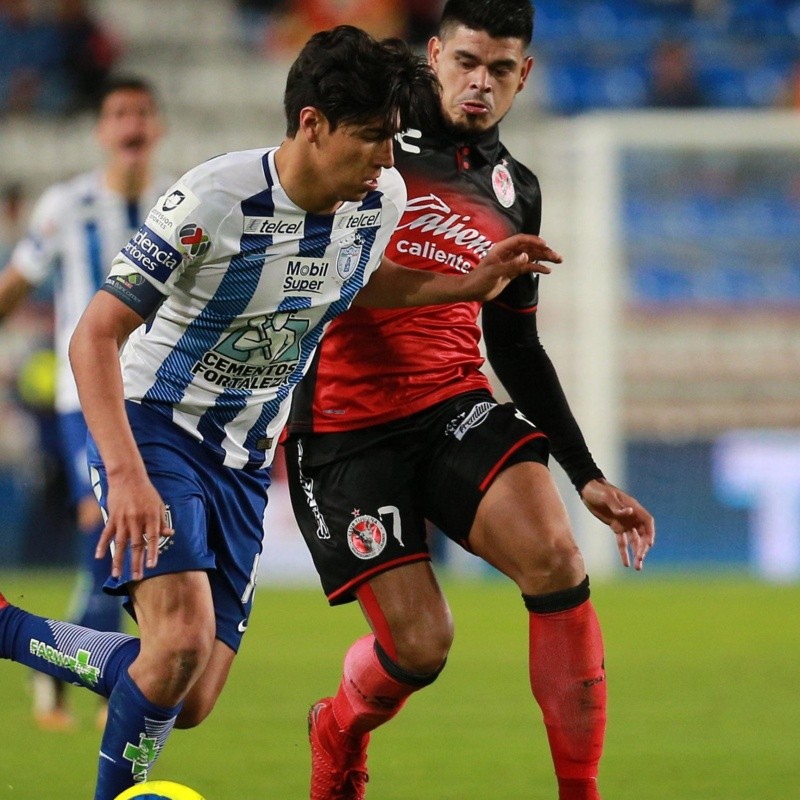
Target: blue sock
x: 135, y: 733
x: 71, y: 653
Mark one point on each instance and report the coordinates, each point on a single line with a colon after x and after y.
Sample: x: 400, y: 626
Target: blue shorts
x: 217, y: 513
x: 72, y: 432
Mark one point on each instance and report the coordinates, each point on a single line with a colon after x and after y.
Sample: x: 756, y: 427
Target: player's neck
x: 130, y: 182
x: 300, y: 180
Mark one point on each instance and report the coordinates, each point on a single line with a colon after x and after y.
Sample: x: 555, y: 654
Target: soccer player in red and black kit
x: 396, y: 424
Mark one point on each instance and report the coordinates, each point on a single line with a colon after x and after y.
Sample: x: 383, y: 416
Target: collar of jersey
x: 486, y: 144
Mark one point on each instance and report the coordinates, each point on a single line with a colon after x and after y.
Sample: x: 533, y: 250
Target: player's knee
x: 185, y: 656
x: 423, y: 647
x: 555, y: 564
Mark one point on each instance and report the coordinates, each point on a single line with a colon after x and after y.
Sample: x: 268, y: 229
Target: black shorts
x: 361, y: 497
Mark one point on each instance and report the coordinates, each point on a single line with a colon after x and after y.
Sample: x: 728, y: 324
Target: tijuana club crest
x: 366, y: 536
x: 503, y: 186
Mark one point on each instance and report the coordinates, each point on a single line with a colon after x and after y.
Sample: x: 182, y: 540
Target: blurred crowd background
x: 592, y: 54
x: 709, y: 238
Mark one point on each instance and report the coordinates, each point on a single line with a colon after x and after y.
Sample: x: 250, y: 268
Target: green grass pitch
x: 703, y: 683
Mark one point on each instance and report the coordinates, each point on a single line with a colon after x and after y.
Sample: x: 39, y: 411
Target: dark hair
x: 122, y: 83
x: 354, y: 80
x: 497, y: 17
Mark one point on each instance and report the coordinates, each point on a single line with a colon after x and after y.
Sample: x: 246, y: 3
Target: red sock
x: 368, y: 696
x: 568, y: 681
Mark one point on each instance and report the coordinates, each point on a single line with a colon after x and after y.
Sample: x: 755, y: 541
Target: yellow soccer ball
x: 36, y: 382
x: 160, y: 790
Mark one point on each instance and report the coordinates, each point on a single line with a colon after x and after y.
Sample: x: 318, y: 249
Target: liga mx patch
x: 195, y: 240
x: 148, y: 251
x: 366, y: 536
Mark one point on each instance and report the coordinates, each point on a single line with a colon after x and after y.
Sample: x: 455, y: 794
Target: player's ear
x: 434, y: 51
x: 311, y: 122
x: 527, y: 65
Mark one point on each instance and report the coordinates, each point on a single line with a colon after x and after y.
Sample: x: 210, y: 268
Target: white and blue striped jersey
x: 251, y: 281
x: 75, y: 230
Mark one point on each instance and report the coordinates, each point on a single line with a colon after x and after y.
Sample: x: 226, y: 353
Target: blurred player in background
x: 238, y: 269
x: 76, y: 229
x: 395, y: 424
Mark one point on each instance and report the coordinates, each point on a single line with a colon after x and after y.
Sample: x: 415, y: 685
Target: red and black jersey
x: 375, y: 365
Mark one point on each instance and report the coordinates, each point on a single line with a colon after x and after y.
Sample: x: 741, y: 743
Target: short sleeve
x: 37, y: 252
x: 178, y: 232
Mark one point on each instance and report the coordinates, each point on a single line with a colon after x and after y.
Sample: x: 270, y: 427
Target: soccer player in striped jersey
x: 76, y: 229
x: 237, y: 271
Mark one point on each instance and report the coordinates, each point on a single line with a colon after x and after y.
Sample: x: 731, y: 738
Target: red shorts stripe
x: 486, y: 482
x: 365, y: 576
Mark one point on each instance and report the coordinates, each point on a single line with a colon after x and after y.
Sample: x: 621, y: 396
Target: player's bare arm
x: 394, y: 286
x: 631, y: 523
x: 136, y: 517
x: 14, y: 287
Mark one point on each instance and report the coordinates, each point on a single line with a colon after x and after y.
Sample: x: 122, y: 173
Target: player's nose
x: 386, y: 153
x: 480, y: 78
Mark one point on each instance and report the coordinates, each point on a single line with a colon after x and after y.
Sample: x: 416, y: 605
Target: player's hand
x: 631, y: 523
x: 508, y: 259
x: 136, y: 522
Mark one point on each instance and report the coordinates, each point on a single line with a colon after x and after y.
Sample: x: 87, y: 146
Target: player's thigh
x: 521, y: 527
x: 360, y: 515
x: 477, y: 439
x: 174, y: 612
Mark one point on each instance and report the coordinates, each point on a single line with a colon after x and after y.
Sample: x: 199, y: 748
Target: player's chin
x: 470, y: 124
x: 355, y: 195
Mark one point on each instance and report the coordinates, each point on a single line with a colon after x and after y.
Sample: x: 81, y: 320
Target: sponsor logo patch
x: 273, y: 226
x: 172, y: 209
x: 194, y: 239
x: 173, y: 200
x: 366, y: 536
x: 141, y: 756
x: 429, y: 214
x: 305, y: 275
x: 260, y: 355
x: 79, y: 663
x: 148, y: 251
x: 467, y: 420
x: 359, y: 219
x: 308, y: 490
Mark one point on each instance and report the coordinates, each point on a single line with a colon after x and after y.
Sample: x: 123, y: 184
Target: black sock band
x: 562, y: 600
x: 416, y: 679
